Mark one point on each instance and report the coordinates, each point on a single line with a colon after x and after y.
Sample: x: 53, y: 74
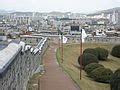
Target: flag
x: 64, y: 39
x: 84, y: 35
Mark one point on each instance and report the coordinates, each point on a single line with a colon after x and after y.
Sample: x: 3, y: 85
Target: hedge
x: 101, y: 74
x: 92, y: 51
x: 102, y: 53
x: 90, y: 67
x: 116, y: 51
x: 87, y: 58
x: 115, y: 80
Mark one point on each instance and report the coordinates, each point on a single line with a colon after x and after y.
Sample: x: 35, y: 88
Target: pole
x: 59, y: 42
x: 38, y: 84
x: 80, y: 54
x: 62, y: 48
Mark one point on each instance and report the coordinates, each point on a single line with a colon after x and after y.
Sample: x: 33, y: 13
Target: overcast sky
x: 79, y: 6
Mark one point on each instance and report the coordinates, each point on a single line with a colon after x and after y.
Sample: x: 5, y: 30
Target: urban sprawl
x: 24, y: 37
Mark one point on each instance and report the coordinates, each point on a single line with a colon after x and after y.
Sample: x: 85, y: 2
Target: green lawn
x: 71, y: 53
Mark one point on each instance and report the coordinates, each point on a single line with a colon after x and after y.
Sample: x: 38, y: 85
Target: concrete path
x: 55, y: 78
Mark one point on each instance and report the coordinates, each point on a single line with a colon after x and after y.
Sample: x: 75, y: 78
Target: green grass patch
x: 32, y: 80
x: 70, y: 64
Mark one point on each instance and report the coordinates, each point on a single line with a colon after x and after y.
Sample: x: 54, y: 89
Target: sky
x: 76, y: 6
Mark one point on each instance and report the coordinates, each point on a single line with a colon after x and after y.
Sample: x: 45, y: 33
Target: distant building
x: 3, y: 36
x: 22, y: 17
x: 116, y: 17
x: 31, y: 40
x: 119, y: 18
x: 113, y: 15
x: 75, y: 30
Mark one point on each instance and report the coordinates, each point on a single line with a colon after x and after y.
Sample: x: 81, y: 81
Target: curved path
x: 55, y: 78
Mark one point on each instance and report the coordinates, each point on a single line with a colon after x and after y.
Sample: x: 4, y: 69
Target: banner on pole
x: 64, y: 39
x: 84, y: 35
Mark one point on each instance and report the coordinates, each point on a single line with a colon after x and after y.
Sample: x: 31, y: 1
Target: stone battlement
x: 18, y: 62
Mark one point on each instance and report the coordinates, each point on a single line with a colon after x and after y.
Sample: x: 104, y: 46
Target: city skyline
x: 76, y: 6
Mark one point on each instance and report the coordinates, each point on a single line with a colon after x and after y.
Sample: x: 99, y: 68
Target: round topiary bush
x: 87, y: 58
x: 90, y: 67
x: 102, y: 53
x: 92, y: 51
x: 101, y: 74
x: 115, y: 80
x: 116, y: 51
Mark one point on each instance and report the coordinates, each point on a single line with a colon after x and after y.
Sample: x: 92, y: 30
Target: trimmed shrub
x: 102, y: 53
x: 101, y: 74
x: 116, y: 51
x: 115, y: 80
x: 87, y: 58
x: 92, y: 51
x: 90, y: 67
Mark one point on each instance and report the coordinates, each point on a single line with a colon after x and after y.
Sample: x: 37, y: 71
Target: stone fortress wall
x: 76, y: 39
x: 19, y: 67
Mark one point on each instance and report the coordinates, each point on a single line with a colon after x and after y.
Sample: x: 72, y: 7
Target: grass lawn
x: 71, y: 53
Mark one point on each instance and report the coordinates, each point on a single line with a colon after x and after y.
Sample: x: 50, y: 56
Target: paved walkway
x: 55, y: 78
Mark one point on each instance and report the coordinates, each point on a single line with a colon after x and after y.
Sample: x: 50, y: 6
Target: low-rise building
x: 3, y: 36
